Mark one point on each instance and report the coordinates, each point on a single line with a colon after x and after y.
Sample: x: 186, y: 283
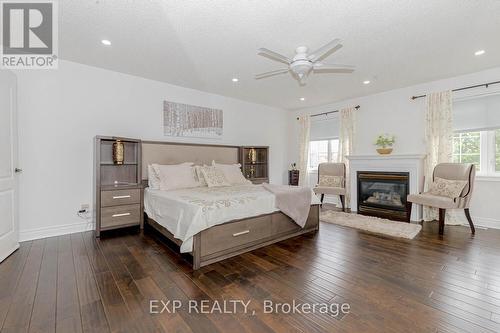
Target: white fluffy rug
x: 372, y: 224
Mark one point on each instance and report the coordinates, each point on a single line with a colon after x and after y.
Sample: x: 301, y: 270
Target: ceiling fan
x: 303, y: 63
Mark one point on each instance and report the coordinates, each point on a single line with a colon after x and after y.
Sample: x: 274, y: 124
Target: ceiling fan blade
x: 325, y: 50
x: 273, y: 55
x: 333, y: 68
x: 271, y: 73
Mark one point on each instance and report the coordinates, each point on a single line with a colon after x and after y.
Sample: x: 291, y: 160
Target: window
x: 479, y: 147
x: 467, y: 148
x: 322, y: 151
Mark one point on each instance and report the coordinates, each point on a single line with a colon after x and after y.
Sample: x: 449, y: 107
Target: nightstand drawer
x: 120, y: 197
x: 120, y: 215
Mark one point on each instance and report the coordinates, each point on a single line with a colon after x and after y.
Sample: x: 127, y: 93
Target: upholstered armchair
x: 331, y: 180
x: 444, y: 199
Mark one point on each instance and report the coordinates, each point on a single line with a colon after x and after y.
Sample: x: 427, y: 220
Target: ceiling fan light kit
x: 303, y: 63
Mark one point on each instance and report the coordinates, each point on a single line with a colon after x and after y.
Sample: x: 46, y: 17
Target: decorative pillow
x: 447, y: 188
x: 153, y: 179
x: 199, y: 176
x: 232, y: 173
x: 214, y: 177
x: 176, y: 176
x: 331, y: 181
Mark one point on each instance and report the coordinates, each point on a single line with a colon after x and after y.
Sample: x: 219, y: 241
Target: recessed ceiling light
x: 302, y: 98
x: 480, y: 52
x: 235, y: 79
x: 366, y: 82
x: 106, y: 42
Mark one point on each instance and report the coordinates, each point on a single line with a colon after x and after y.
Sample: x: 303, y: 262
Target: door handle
x: 17, y: 170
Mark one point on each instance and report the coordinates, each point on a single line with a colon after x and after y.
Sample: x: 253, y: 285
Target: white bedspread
x: 186, y: 212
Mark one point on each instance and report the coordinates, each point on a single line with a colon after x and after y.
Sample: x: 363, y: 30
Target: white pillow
x: 176, y: 176
x: 214, y: 176
x: 232, y: 173
x: 447, y: 188
x: 153, y: 178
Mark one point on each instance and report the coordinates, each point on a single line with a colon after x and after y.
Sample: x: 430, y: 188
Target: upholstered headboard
x: 175, y: 153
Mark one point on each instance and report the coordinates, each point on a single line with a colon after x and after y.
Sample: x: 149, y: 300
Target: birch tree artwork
x: 191, y: 121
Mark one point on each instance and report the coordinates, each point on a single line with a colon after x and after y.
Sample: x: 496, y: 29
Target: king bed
x: 215, y: 223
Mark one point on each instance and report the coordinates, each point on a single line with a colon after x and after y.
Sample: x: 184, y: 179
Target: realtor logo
x: 29, y: 34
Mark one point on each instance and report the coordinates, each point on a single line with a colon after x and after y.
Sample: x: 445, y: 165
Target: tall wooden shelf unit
x: 118, y: 198
x: 255, y: 163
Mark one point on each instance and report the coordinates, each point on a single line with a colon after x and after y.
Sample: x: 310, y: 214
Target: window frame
x: 329, y: 154
x: 460, y: 154
x: 490, y: 153
x: 487, y: 154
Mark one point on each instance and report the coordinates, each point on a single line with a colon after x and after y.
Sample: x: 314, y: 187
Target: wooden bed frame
x: 239, y: 236
x: 231, y: 238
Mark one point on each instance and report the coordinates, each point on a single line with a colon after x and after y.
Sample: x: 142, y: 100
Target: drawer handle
x: 241, y: 233
x: 121, y: 197
x: 120, y: 215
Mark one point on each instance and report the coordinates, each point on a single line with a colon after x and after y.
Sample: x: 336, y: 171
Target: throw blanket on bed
x: 294, y: 201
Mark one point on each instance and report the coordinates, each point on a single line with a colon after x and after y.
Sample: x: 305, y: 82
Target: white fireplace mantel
x: 413, y: 164
x: 386, y: 157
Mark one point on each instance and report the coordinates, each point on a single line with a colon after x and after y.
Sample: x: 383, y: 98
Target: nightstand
x: 293, y: 177
x: 120, y: 207
x: 118, y: 190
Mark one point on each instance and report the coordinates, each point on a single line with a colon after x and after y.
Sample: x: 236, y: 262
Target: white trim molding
x: 56, y: 230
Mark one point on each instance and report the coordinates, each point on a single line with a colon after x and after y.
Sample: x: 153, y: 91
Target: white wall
x: 395, y: 113
x: 60, y: 112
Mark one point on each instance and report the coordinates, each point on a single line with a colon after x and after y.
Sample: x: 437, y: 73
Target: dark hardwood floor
x: 75, y: 283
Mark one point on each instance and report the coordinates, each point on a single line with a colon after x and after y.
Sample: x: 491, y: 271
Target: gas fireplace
x: 383, y: 194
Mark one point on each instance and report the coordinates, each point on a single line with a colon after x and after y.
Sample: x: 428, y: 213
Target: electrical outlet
x: 84, y: 208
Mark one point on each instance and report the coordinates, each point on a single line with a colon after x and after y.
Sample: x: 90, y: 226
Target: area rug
x: 372, y: 224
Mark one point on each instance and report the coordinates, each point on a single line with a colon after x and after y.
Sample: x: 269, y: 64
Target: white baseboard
x: 57, y: 230
x: 485, y: 222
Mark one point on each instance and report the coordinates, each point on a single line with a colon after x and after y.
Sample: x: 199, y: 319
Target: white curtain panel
x: 304, y: 133
x: 346, y: 144
x: 439, y: 142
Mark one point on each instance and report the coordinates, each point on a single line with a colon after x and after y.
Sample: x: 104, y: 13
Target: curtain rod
x: 464, y: 88
x: 328, y: 112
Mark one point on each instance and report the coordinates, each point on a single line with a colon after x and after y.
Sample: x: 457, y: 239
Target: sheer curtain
x: 304, y: 133
x: 346, y: 144
x: 439, y: 141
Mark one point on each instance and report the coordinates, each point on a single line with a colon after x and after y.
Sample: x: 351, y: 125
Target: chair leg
x: 467, y: 215
x: 442, y: 214
x: 342, y: 202
x: 322, y: 197
x: 408, y: 211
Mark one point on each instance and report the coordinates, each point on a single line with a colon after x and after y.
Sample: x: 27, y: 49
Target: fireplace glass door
x: 383, y: 194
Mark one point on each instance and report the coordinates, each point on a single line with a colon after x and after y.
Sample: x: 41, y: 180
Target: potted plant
x: 384, y: 144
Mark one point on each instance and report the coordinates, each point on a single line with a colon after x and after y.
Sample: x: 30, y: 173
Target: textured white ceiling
x: 203, y: 44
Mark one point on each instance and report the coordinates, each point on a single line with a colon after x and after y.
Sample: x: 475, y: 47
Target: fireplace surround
x: 383, y: 194
x: 411, y: 163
